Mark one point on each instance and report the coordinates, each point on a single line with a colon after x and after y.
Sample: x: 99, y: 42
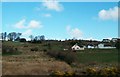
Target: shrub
x: 22, y: 40
x: 90, y: 72
x: 34, y: 49
x: 111, y: 71
x: 57, y: 73
x: 107, y: 72
x: 6, y: 49
x: 62, y: 74
x: 118, y: 44
x: 36, y: 41
x: 45, y: 50
x: 53, y: 53
x: 25, y: 45
x: 68, y: 57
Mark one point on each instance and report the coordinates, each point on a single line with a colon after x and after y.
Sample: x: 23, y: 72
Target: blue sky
x: 61, y: 0
x: 61, y: 20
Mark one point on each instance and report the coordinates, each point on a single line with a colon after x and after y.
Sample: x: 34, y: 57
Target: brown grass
x: 32, y: 68
x: 31, y: 63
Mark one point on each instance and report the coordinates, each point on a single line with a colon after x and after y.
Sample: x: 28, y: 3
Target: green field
x: 98, y: 55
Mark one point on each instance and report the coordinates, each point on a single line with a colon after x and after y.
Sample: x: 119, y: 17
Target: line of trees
x: 37, y: 39
x: 14, y: 36
x: 10, y: 36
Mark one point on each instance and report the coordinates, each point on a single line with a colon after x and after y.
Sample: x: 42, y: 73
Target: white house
x: 102, y: 46
x: 76, y: 47
x: 90, y: 46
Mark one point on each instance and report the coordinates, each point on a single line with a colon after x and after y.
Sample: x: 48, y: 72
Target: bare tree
x: 31, y: 37
x: 13, y: 35
x: 4, y: 35
x: 18, y: 36
x: 42, y: 37
x: 1, y: 36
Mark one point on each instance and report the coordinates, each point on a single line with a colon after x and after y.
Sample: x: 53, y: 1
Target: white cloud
x: 27, y: 32
x: 76, y: 33
x: 32, y: 24
x: 20, y: 24
x: 111, y: 14
x: 52, y: 5
x: 47, y: 15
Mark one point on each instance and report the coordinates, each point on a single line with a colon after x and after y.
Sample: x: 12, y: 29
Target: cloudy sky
x: 61, y: 20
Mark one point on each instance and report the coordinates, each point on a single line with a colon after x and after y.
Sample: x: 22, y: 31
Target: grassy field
x: 29, y: 62
x: 98, y: 55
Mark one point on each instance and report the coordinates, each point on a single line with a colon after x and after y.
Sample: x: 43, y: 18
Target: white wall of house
x: 101, y: 46
x: 90, y: 46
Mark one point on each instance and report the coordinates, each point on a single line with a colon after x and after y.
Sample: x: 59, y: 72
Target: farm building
x: 104, y: 46
x: 76, y: 47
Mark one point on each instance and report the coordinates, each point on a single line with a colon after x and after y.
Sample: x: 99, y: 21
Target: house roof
x: 75, y: 45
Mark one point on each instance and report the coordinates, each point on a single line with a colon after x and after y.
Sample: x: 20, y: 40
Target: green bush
x: 70, y: 57
x: 67, y: 56
x: 53, y: 53
x: 25, y: 45
x: 45, y: 50
x: 34, y: 49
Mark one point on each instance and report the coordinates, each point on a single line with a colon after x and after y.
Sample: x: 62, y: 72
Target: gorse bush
x: 62, y: 74
x: 104, y: 72
x: 90, y: 72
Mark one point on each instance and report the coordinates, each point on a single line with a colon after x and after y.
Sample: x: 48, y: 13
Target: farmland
x: 34, y: 59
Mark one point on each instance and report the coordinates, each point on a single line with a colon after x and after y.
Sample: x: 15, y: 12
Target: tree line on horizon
x: 14, y: 36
